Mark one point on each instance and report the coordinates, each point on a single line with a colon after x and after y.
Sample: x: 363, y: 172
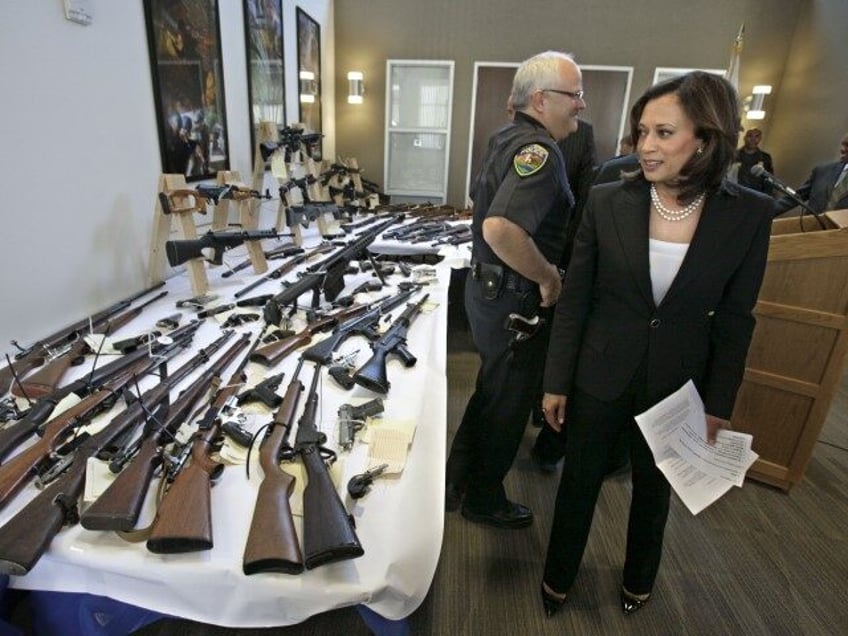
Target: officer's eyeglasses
x: 574, y: 95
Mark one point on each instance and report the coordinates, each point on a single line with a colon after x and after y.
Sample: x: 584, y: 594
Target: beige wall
x: 811, y: 110
x: 644, y: 35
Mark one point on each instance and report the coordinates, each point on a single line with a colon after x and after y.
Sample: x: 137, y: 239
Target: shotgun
x: 272, y: 544
x: 27, y: 535
x: 119, y: 506
x: 183, y: 521
x: 328, y: 533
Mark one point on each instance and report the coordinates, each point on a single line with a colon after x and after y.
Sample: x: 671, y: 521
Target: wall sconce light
x: 308, y: 87
x: 356, y: 87
x: 755, y: 110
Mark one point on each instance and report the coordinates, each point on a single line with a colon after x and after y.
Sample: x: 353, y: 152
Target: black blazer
x: 607, y: 326
x: 816, y: 189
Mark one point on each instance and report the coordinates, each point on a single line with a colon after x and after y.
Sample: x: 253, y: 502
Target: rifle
x: 364, y: 324
x: 27, y: 535
x: 272, y: 544
x: 15, y: 473
x: 326, y: 276
x: 283, y: 251
x: 372, y: 375
x: 12, y: 435
x: 44, y: 381
x: 328, y: 533
x: 310, y: 211
x: 270, y: 354
x: 183, y: 521
x: 35, y: 355
x: 284, y: 269
x: 119, y: 506
x: 205, y: 194
x: 179, y: 252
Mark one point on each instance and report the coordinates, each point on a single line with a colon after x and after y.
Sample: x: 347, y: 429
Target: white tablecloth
x: 399, y: 523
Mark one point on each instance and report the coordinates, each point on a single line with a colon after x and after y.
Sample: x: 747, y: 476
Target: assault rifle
x: 270, y: 354
x: 328, y: 533
x: 28, y: 534
x: 311, y: 211
x: 35, y: 355
x: 183, y: 521
x: 44, y: 381
x: 205, y: 194
x: 272, y: 544
x: 284, y: 269
x: 372, y: 375
x: 364, y: 324
x: 13, y: 434
x: 119, y: 506
x: 179, y: 252
x: 326, y: 276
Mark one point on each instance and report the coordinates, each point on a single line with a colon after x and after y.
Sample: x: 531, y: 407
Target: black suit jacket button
x: 655, y: 322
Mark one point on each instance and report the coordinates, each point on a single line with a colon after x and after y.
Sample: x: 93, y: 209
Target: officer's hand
x: 551, y: 288
x: 553, y: 408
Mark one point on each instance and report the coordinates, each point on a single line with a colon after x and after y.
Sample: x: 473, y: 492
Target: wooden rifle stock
x: 27, y: 535
x: 183, y: 521
x: 328, y: 533
x: 270, y: 354
x: 119, y: 506
x: 37, y: 354
x: 18, y: 470
x: 272, y: 544
x: 44, y: 381
x: 14, y: 434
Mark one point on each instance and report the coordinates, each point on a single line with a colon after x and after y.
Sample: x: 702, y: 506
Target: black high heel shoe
x: 550, y: 602
x: 631, y: 602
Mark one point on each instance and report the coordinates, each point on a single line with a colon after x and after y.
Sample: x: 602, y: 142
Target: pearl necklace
x: 674, y: 215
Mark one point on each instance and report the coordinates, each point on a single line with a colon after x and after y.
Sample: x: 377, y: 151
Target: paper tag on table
x: 675, y: 429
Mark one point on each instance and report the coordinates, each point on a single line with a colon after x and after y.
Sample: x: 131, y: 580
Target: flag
x: 732, y: 73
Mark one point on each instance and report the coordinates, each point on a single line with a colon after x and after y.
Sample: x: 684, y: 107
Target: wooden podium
x: 796, y: 358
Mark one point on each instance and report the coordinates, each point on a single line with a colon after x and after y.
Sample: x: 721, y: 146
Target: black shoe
x: 546, y: 466
x: 453, y: 496
x: 551, y: 603
x: 632, y: 602
x: 511, y: 515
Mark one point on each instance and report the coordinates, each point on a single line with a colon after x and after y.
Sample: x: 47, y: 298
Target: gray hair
x: 539, y: 71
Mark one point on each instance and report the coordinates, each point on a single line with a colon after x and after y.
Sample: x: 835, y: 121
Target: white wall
x: 79, y: 151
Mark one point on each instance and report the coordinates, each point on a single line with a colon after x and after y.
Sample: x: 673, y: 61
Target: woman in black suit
x: 664, y: 275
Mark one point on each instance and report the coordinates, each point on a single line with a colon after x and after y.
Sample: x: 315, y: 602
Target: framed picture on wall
x: 309, y: 76
x: 184, y: 41
x: 263, y: 30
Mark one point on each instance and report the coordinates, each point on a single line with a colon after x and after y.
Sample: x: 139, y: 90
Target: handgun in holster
x: 522, y: 327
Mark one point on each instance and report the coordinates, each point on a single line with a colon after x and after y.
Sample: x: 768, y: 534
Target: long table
x: 399, y: 522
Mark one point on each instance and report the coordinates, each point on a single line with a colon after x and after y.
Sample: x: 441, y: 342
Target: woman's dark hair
x: 712, y: 104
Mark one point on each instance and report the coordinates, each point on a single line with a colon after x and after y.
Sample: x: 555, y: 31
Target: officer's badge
x: 530, y: 159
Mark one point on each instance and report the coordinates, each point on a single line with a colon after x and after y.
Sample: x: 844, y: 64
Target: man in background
x: 750, y: 155
x: 826, y: 188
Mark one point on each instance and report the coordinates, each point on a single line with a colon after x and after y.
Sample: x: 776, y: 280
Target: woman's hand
x: 713, y: 425
x: 553, y: 408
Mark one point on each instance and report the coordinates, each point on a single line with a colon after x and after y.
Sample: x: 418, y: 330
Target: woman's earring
x: 700, y: 150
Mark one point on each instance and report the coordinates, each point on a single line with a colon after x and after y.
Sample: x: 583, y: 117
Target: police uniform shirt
x: 523, y: 180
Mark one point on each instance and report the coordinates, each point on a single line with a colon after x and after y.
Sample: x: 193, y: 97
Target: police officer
x: 522, y: 205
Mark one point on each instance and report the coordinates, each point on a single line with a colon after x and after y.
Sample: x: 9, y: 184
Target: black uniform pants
x: 493, y: 424
x: 593, y: 427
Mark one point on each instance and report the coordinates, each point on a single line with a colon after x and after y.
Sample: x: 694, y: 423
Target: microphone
x: 757, y: 170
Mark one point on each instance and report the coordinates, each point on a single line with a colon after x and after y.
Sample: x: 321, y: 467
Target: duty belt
x: 509, y: 279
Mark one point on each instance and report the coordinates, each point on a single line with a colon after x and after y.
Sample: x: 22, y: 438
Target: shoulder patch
x: 530, y: 159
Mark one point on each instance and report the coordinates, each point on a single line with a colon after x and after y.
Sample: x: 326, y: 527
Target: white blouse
x: 665, y: 261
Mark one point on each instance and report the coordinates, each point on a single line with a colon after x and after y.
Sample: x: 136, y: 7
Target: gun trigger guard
x: 328, y: 455
x: 70, y: 512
